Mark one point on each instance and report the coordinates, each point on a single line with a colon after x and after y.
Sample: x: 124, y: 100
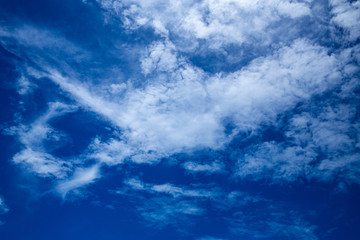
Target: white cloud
x: 135, y: 184
x: 222, y: 22
x: 165, y: 204
x: 112, y: 153
x: 34, y: 156
x: 180, y: 107
x: 326, y: 129
x: 214, y: 167
x: 36, y: 159
x: 223, y: 199
x: 43, y: 164
x: 40, y: 130
x: 176, y: 107
x: 346, y: 14
x: 160, y: 56
x: 37, y: 40
x: 117, y: 88
x: 332, y: 129
x: 346, y: 167
x: 169, y: 204
x: 272, y: 160
x: 25, y: 86
x: 169, y: 189
x: 81, y: 178
x: 184, y: 109
x: 217, y: 22
x: 86, y: 97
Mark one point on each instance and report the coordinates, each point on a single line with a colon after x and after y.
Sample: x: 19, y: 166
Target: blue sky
x: 204, y: 120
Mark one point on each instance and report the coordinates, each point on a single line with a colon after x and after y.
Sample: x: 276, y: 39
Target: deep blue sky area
x: 199, y: 120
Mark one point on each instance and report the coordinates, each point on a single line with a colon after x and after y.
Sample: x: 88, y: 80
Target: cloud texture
x: 269, y: 87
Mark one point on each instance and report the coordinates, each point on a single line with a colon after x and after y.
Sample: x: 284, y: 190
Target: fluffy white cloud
x: 282, y: 73
x: 43, y: 164
x: 216, y: 22
x: 271, y: 160
x: 185, y: 109
x: 160, y: 56
x: 328, y: 129
x: 346, y: 14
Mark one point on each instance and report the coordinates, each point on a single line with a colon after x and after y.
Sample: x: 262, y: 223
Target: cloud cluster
x: 175, y: 106
x: 269, y: 88
x: 347, y: 15
x: 219, y: 23
x: 187, y: 108
x: 320, y: 142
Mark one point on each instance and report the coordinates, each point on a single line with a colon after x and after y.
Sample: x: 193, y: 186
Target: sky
x: 192, y: 119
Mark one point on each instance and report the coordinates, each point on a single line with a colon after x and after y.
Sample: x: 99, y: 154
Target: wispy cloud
x: 162, y: 212
x: 272, y: 223
x: 168, y: 204
x: 43, y: 164
x: 247, y: 215
x: 34, y: 156
x: 169, y: 189
x: 3, y: 209
x: 81, y: 178
x: 165, y: 204
x: 214, y: 167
